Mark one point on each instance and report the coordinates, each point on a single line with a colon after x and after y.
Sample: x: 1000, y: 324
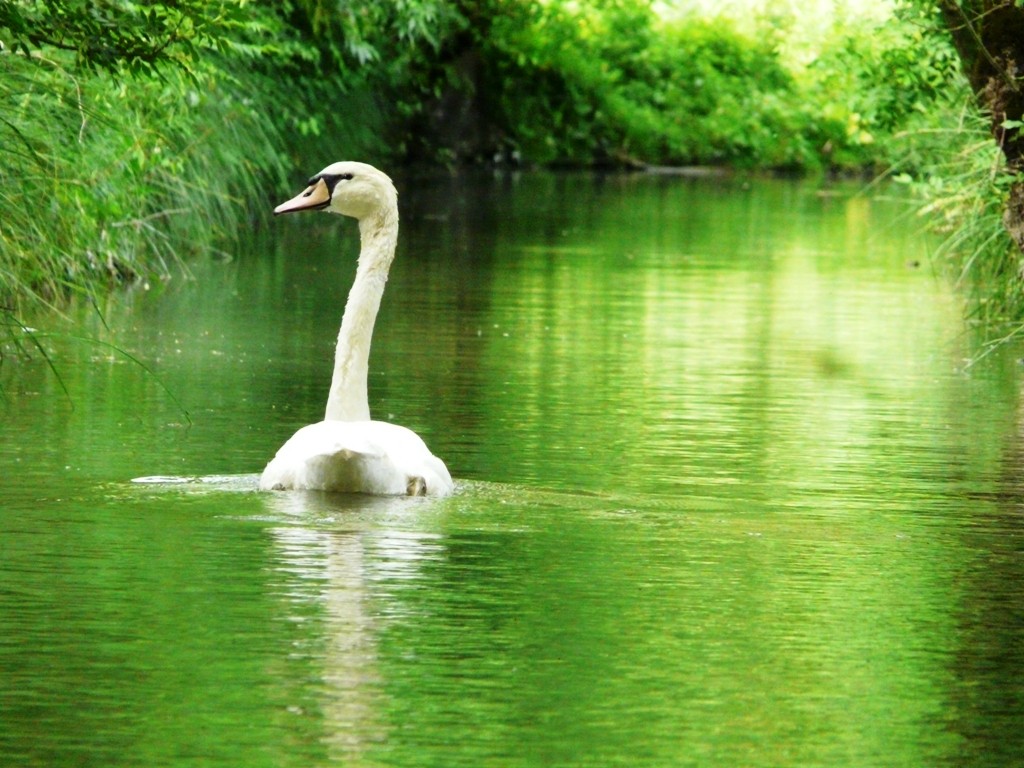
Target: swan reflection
x: 340, y: 567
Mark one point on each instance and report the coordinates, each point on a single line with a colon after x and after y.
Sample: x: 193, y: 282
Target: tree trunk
x: 989, y: 37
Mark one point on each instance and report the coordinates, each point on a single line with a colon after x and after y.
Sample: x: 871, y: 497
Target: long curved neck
x: 348, y: 400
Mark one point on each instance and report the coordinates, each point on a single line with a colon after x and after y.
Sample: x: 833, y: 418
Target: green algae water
x: 727, y: 496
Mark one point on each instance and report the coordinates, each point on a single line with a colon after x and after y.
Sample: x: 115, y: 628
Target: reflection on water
x: 327, y: 569
x: 725, y: 497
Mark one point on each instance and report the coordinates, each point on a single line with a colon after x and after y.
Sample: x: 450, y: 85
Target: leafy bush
x: 731, y: 98
x: 611, y: 82
x: 881, y: 84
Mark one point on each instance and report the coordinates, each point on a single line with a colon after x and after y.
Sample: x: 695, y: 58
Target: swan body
x: 347, y: 451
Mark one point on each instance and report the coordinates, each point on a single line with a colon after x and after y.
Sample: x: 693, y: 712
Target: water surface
x: 727, y: 496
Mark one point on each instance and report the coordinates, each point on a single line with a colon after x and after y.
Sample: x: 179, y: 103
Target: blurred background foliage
x: 134, y: 134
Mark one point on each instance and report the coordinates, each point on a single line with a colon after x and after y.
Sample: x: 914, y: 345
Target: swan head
x: 349, y: 188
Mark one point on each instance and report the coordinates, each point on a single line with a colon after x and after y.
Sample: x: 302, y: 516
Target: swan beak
x: 314, y: 196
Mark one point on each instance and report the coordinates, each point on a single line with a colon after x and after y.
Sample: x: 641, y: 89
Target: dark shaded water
x: 726, y: 498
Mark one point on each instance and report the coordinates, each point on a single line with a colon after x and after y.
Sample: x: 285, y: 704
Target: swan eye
x: 331, y: 179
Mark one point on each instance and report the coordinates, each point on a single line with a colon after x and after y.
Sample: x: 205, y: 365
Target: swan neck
x: 348, y: 399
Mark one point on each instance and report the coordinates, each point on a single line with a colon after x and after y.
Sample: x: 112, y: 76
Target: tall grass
x: 104, y: 181
x: 959, y: 175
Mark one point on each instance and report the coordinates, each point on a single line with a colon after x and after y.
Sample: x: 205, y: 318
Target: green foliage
x: 882, y: 84
x: 611, y: 82
x: 737, y: 102
x: 133, y: 134
x: 112, y: 35
x: 386, y: 31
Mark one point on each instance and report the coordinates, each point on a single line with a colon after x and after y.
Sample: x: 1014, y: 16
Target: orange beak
x: 315, y: 196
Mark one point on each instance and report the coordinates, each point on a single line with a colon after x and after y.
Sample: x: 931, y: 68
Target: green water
x: 726, y: 498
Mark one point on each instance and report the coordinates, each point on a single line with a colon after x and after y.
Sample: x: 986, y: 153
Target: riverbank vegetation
x: 133, y: 136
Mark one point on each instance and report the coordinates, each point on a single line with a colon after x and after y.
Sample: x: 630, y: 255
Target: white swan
x: 347, y: 451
